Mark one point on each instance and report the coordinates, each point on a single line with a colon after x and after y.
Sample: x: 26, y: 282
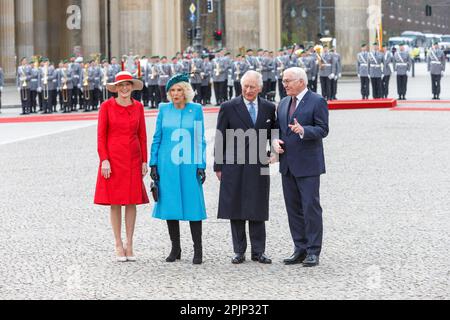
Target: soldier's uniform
x: 2, y: 82
x: 314, y: 69
x: 114, y: 69
x: 164, y: 72
x: 65, y: 83
x: 266, y: 71
x: 436, y: 67
x: 105, y: 78
x: 376, y: 62
x: 152, y: 79
x: 402, y: 65
x: 206, y: 75
x: 334, y: 82
x: 77, y: 96
x: 280, y: 65
x: 195, y: 70
x: 220, y: 76
x: 239, y: 69
x: 388, y: 69
x: 88, y: 86
x: 48, y: 86
x: 34, y: 82
x: 363, y: 73
x: 327, y: 72
x: 23, y: 84
x: 135, y: 70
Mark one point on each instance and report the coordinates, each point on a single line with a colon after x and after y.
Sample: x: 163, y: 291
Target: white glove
x: 146, y: 84
x: 442, y: 74
x: 313, y: 78
x: 336, y: 78
x: 340, y: 75
x: 58, y: 89
x: 359, y: 76
x: 1, y: 89
x: 368, y: 76
x: 79, y: 86
x: 331, y: 76
x: 81, y: 89
x: 382, y: 76
x: 18, y: 89
x: 39, y: 89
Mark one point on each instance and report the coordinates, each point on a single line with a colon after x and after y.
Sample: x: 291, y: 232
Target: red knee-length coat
x: 122, y: 139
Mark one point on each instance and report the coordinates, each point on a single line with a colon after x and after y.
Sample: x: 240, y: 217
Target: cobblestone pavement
x: 386, y: 214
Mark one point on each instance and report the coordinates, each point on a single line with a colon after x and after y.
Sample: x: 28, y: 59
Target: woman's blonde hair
x: 189, y: 93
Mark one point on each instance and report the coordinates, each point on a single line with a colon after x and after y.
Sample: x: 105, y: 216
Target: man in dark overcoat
x: 241, y: 164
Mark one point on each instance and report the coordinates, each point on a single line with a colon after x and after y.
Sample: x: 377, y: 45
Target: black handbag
x: 155, y: 191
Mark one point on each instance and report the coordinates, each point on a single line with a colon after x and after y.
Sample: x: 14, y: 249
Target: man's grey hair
x: 255, y: 75
x: 299, y: 74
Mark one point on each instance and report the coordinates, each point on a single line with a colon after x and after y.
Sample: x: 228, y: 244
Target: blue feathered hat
x: 181, y: 77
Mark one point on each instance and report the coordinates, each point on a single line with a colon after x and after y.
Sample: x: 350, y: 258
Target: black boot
x: 174, y: 233
x: 196, y: 231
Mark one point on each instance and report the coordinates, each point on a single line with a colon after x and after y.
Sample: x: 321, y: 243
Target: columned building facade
x: 59, y: 28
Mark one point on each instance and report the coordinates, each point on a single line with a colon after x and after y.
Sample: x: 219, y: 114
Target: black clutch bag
x: 155, y: 191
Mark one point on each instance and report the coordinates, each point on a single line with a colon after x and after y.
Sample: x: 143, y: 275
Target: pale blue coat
x: 179, y: 149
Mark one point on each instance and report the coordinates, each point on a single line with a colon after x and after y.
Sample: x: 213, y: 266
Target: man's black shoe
x: 296, y: 258
x: 311, y: 261
x: 238, y: 259
x: 261, y: 258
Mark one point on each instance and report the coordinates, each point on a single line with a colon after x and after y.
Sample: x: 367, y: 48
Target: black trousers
x: 206, y: 94
x: 198, y: 92
x: 174, y: 233
x: 302, y: 198
x: 0, y: 100
x: 282, y: 89
x: 25, y: 98
x: 230, y: 92
x: 266, y: 89
x: 154, y: 95
x: 313, y: 85
x: 377, y: 88
x: 40, y: 101
x: 365, y: 90
x: 88, y: 98
x: 48, y: 103
x: 402, y: 84
x: 436, y: 84
x: 334, y: 84
x: 163, y: 94
x: 238, y: 88
x: 66, y: 100
x: 137, y: 95
x: 325, y: 83
x: 385, y: 84
x: 33, y: 96
x: 145, y: 96
x: 257, y: 232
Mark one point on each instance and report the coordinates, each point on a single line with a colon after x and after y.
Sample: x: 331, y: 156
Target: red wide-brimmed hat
x: 125, y: 76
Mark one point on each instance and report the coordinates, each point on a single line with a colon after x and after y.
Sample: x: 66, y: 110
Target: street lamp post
x: 198, y: 45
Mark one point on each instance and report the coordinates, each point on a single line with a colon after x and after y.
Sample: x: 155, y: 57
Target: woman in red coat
x: 122, y: 147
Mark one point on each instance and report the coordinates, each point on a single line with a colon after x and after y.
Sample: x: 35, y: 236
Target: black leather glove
x: 202, y: 174
x: 154, y: 173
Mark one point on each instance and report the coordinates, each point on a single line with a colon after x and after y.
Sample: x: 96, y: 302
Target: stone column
x: 166, y: 27
x: 7, y: 38
x: 356, y: 22
x: 242, y: 20
x: 270, y: 24
x: 90, y: 26
x: 135, y: 26
x: 40, y: 27
x: 25, y: 28
x: 115, y: 29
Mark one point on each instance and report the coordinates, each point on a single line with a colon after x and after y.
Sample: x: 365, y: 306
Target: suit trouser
x: 402, y: 83
x: 365, y: 90
x: 377, y: 89
x: 302, y: 198
x: 218, y: 92
x: 206, y: 94
x: 66, y: 104
x: 436, y: 84
x: 224, y: 87
x: 40, y: 101
x: 257, y: 232
x: 25, y: 100
x: 237, y: 88
x: 154, y: 95
x: 325, y: 83
x: 33, y: 96
x: 334, y: 84
x: 385, y: 84
x: 76, y: 100
x: 47, y: 103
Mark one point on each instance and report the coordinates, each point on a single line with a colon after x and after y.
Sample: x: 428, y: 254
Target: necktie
x: 252, y: 111
x: 293, y: 107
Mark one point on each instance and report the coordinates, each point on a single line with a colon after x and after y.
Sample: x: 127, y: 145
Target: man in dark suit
x: 243, y: 167
x: 303, y: 123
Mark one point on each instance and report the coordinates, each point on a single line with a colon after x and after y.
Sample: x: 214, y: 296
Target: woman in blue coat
x: 178, y: 163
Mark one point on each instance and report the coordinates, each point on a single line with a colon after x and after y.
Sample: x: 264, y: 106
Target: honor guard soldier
x: 240, y: 67
x: 2, y: 83
x: 58, y: 88
x: 327, y: 71
x: 363, y: 71
x: 97, y: 84
x: 338, y: 75
x: 114, y: 69
x: 376, y: 63
x: 206, y: 76
x: 136, y: 71
x: 280, y: 66
x: 23, y: 85
x: 165, y: 73
x: 105, y: 77
x: 47, y: 85
x: 219, y: 77
x: 315, y: 70
x: 88, y: 86
x: 34, y: 81
x: 402, y: 65
x: 250, y: 60
x: 388, y: 69
x: 144, y: 92
x: 65, y: 83
x: 266, y: 71
x: 152, y: 78
x: 436, y: 67
x: 77, y: 96
x: 273, y: 78
x: 195, y: 70
x: 228, y: 83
